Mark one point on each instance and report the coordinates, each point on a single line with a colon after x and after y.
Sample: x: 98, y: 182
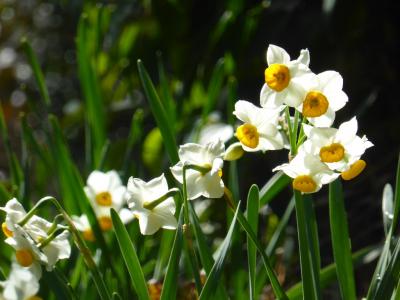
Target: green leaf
x: 396, y: 198
x: 206, y: 257
x: 328, y: 273
x: 131, y: 259
x: 341, y: 241
x: 387, y: 207
x: 94, y: 106
x: 280, y: 294
x: 253, y: 207
x: 215, y: 273
x: 308, y: 245
x: 170, y: 282
x: 214, y: 89
x: 37, y: 71
x: 274, y: 185
x: 166, y: 96
x: 159, y: 113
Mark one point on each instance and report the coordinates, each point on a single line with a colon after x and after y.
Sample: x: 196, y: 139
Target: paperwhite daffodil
x: 339, y: 148
x: 21, y: 284
x: 82, y: 224
x: 152, y: 203
x: 308, y: 172
x: 324, y: 99
x: 260, y: 128
x: 207, y: 183
x: 286, y: 81
x: 105, y: 191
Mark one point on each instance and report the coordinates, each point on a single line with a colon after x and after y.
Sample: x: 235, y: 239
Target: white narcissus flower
x: 142, y: 196
x: 339, y: 148
x: 323, y: 99
x: 105, y: 191
x: 82, y: 224
x: 208, y: 184
x: 286, y: 81
x: 21, y: 284
x: 308, y: 172
x: 260, y: 129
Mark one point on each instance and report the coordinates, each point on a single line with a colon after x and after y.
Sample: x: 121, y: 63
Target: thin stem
x: 50, y: 238
x: 55, y: 223
x: 291, y: 137
x: 160, y: 200
x: 30, y: 214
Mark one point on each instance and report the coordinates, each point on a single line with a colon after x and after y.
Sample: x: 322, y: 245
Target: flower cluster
x: 319, y: 153
x: 37, y: 243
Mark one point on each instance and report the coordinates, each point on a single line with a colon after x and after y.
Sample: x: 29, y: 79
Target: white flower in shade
x: 27, y: 254
x: 105, y: 191
x: 286, y: 81
x: 152, y: 203
x: 324, y: 99
x: 308, y: 172
x: 15, y: 213
x: 207, y: 183
x: 215, y: 131
x: 260, y: 129
x: 338, y: 148
x: 21, y: 284
x: 82, y: 224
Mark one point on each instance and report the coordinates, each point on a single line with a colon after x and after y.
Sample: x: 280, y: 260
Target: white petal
x: 277, y: 55
x: 326, y: 120
x: 304, y: 57
x: 270, y: 98
x: 330, y: 80
x: 347, y: 131
x: 126, y: 215
x: 245, y: 111
x: 337, y: 99
x: 98, y: 181
x: 177, y: 171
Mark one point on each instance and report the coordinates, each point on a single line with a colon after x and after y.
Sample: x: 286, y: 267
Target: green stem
x: 291, y: 135
x: 187, y: 231
x: 55, y: 223
x: 50, y: 238
x: 153, y: 204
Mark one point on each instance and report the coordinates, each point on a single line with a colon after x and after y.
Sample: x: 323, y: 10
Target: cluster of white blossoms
x: 321, y: 153
x: 37, y: 242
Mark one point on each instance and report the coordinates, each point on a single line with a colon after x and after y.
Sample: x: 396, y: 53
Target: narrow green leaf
x: 390, y: 278
x: 128, y: 252
x: 206, y: 257
x: 94, y: 106
x: 162, y: 119
x: 212, y: 279
x: 37, y: 71
x: 170, y: 282
x: 396, y: 198
x: 328, y: 273
x: 279, y: 293
x: 341, y: 241
x: 274, y: 185
x: 253, y: 207
x: 166, y: 96
x: 274, y: 243
x: 387, y: 207
x: 214, y: 89
x: 309, y: 249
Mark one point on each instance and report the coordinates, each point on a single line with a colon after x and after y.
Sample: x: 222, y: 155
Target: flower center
x: 304, y: 183
x: 24, y: 257
x: 332, y: 153
x: 247, y: 134
x: 277, y: 77
x: 220, y: 173
x: 105, y: 223
x: 7, y: 232
x: 88, y: 235
x: 354, y: 170
x: 104, y: 199
x: 315, y: 104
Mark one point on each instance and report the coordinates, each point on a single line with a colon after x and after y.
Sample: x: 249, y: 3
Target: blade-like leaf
x: 309, y: 249
x: 37, y: 71
x: 213, y: 277
x: 159, y: 114
x: 341, y: 241
x: 171, y: 277
x: 279, y: 293
x: 94, y: 106
x: 274, y: 185
x: 253, y: 206
x: 328, y: 274
x: 131, y: 259
x: 214, y: 89
x: 387, y: 207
